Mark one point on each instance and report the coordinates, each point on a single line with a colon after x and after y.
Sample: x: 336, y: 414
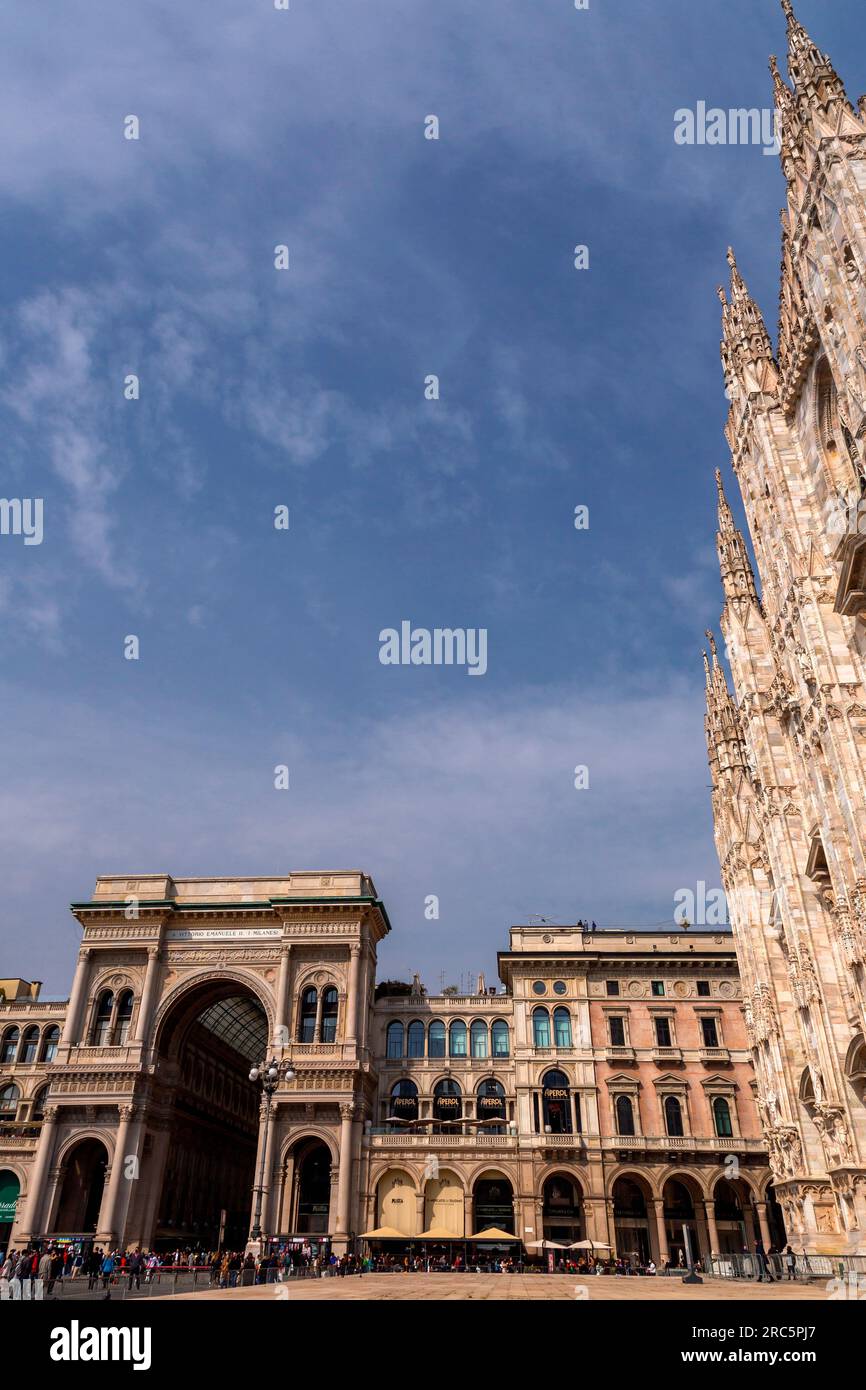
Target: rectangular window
x: 710, y: 1031
x: 658, y: 988
x: 704, y: 989
x: 616, y: 1028
x: 612, y: 988
x: 663, y: 1032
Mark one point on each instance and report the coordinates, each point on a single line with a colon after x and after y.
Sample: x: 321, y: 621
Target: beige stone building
x: 788, y: 754
x: 602, y: 1091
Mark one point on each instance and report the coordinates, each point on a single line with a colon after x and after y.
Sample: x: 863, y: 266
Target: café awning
x: 438, y: 1233
x: 384, y: 1233
x: 545, y: 1245
x: 494, y: 1233
x: 589, y: 1245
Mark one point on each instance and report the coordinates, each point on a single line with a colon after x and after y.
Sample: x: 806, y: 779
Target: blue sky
x: 306, y: 388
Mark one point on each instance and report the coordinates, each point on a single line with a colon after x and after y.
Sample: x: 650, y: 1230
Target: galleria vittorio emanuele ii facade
x: 602, y: 1091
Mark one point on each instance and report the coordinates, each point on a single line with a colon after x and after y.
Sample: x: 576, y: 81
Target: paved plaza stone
x: 519, y: 1287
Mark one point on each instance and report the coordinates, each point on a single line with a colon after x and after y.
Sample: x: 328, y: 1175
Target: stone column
x: 710, y: 1209
x: 129, y: 1178
x: 352, y: 1000
x: 107, y: 1230
x: 44, y: 1156
x: 145, y: 1008
x: 761, y: 1208
x: 264, y: 1112
x: 72, y: 1030
x: 664, y: 1248
x: 267, y: 1202
x: 344, y: 1197
x: 320, y: 1004
x: 281, y: 1026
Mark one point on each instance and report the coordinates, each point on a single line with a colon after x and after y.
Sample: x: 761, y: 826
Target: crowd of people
x: 35, y: 1273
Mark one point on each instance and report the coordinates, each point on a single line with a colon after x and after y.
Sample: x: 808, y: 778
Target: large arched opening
x: 206, y: 1044
x: 562, y: 1209
x: 632, y: 1204
x: 81, y: 1188
x: 493, y: 1203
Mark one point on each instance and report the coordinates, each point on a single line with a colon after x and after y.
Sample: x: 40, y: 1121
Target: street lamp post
x: 268, y: 1074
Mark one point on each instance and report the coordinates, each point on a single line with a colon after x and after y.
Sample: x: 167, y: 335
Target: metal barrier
x: 806, y: 1267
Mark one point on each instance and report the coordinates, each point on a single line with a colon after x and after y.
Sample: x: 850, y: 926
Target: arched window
x: 404, y: 1100
x: 29, y: 1045
x: 624, y: 1115
x: 722, y: 1118
x: 102, y: 1018
x: 478, y: 1038
x: 562, y: 1027
x: 556, y: 1102
x: 37, y: 1111
x: 123, y: 1016
x: 50, y: 1040
x: 394, y: 1040
x: 457, y: 1039
x: 447, y: 1105
x: 9, y: 1097
x: 416, y: 1038
x: 540, y: 1028
x: 673, y: 1116
x: 330, y: 1008
x: 10, y: 1044
x: 309, y: 1004
x: 499, y: 1034
x: 490, y: 1105
x: 436, y: 1039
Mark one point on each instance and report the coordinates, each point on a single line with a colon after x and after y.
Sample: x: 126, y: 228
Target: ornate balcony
x: 716, y: 1056
x: 620, y: 1054
x: 667, y: 1056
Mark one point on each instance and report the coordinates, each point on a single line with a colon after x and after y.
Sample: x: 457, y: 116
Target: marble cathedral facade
x: 788, y: 752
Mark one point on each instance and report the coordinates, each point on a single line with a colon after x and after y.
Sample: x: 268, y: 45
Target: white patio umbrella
x: 589, y: 1245
x: 544, y: 1245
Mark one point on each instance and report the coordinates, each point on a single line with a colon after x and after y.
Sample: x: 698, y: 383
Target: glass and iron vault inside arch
x: 211, y: 1037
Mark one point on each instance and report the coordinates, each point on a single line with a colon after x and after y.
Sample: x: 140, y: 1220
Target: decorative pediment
x: 622, y: 1081
x: 668, y: 1081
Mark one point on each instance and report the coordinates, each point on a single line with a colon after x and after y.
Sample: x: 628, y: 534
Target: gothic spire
x: 815, y: 80
x: 738, y: 578
x: 745, y: 341
x: 726, y: 749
